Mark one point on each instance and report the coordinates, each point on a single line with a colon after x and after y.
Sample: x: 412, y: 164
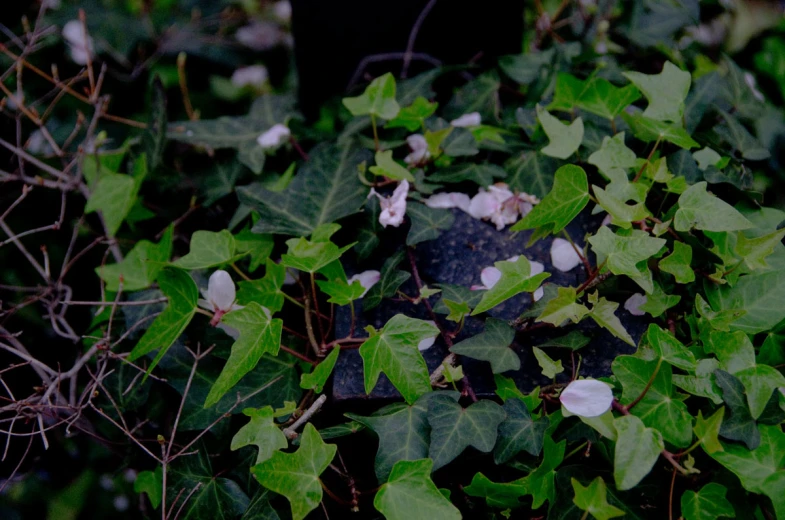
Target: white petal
x: 273, y: 137
x: 539, y: 293
x: 367, y: 279
x: 417, y: 142
x: 394, y: 208
x: 607, y: 220
x: 483, y: 205
x: 449, y: 200
x: 587, y: 397
x: 253, y: 76
x: 563, y: 255
x: 204, y: 304
x: 290, y: 279
x: 283, y: 10
x: 427, y: 342
x: 634, y: 302
x: 500, y: 192
x: 79, y: 43
x: 490, y: 276
x: 536, y: 267
x: 220, y: 290
x: 466, y: 120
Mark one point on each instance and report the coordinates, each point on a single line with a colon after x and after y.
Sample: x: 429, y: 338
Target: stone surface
x: 457, y: 257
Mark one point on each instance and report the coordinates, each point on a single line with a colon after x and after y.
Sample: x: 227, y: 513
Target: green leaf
x: 703, y: 383
x: 208, y: 249
x: 377, y: 100
x: 701, y: 210
x: 760, y: 382
x: 403, y: 432
x: 666, y: 91
x: 457, y: 294
x: 637, y: 449
x: 736, y: 135
x: 531, y: 172
x: 573, y: 340
x: 296, y: 475
x: 540, y: 482
x: 389, y: 282
x: 262, y: 432
x: 427, y: 223
x: 563, y: 307
x: 740, y: 426
x: 515, y: 279
x: 413, y: 117
x: 259, y: 334
x: 394, y: 351
x: 569, y: 196
x: 492, y: 345
x: 258, y: 247
x: 519, y: 432
x: 613, y: 156
x: 454, y: 428
x: 622, y: 213
x: 265, y: 291
x: 678, y: 263
x: 309, y: 256
x: 755, y: 250
x: 113, y: 196
x: 549, y: 367
x: 260, y: 507
x: 238, y: 132
x: 594, y: 499
x: 150, y: 482
x: 734, y: 351
x: 315, y: 380
x: 664, y: 345
x: 409, y: 494
x: 707, y: 504
x: 604, y: 99
x: 325, y: 189
x: 658, y: 301
x: 707, y: 430
x: 759, y: 298
x: 387, y: 167
x: 564, y: 139
x: 627, y: 254
x: 213, y: 496
x: 154, y: 136
x: 181, y: 290
x: 140, y: 267
x: 649, y: 130
x: 505, y: 495
x: 478, y: 95
x: 340, y: 292
x: 603, y: 313
x: 458, y: 311
x: 481, y: 174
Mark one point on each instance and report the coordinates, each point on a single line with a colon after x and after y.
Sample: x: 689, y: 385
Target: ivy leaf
x: 457, y: 294
x: 707, y: 504
x: 262, y: 432
x: 315, y: 380
x: 113, y: 196
x: 569, y: 196
x: 665, y: 91
x: 594, y: 499
x: 410, y: 494
x: 740, y: 426
x: 649, y: 130
x: 613, y: 156
x: 296, y: 475
x: 665, y: 346
x: 259, y: 334
x: 340, y: 292
x: 457, y: 311
x: 637, y: 449
x: 622, y: 213
x: 478, y: 95
x: 427, y: 223
x: 140, y: 267
x: 604, y: 99
x: 708, y: 429
x: 311, y: 256
x: 213, y: 496
x: 481, y: 174
x: 755, y: 250
x: 390, y: 280
x: 549, y: 367
x: 325, y: 189
x: 265, y: 291
x: 454, y: 428
x: 377, y: 100
x: 564, y: 139
x: 258, y: 247
x: 701, y: 210
x: 540, y: 482
x: 182, y: 293
x: 735, y: 134
x: 505, y: 495
x: 678, y: 263
x: 492, y: 345
x: 703, y: 383
x: 627, y: 254
x: 519, y: 432
x: 394, y: 351
x: 403, y: 432
x: 531, y: 172
x: 658, y: 301
x: 759, y: 298
x: 387, y: 167
x: 603, y: 313
x: 760, y: 382
x: 150, y: 482
x: 573, y: 340
x: 208, y: 249
x: 734, y: 351
x: 563, y: 307
x: 413, y: 117
x: 238, y: 132
x: 515, y: 279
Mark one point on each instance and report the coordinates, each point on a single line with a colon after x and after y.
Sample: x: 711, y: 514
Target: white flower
x: 449, y: 200
x: 253, y: 76
x: 427, y: 342
x: 220, y: 296
x: 467, y: 120
x: 500, y: 205
x: 260, y: 36
x: 274, y: 137
x: 79, y: 43
x: 283, y: 10
x: 563, y: 255
x: 749, y: 79
x: 393, y: 207
x: 633, y: 304
x: 419, y: 147
x: 587, y: 398
x: 367, y: 279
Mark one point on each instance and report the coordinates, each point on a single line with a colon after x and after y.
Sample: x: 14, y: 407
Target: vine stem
x: 646, y: 389
x: 375, y: 132
x: 648, y: 160
x: 291, y: 431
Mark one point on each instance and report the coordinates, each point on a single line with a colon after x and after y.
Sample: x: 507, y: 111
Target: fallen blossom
x: 490, y: 276
x: 367, y: 279
x: 587, y: 398
x: 252, y: 76
x: 449, y: 200
x: 427, y: 342
x: 467, y: 120
x: 500, y: 205
x: 394, y: 206
x: 79, y: 43
x: 220, y: 296
x: 633, y: 304
x: 274, y: 137
x: 419, y: 148
x: 563, y: 255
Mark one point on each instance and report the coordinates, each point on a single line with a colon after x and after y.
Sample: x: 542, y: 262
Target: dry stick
x: 407, y: 56
x: 299, y: 356
x: 25, y: 190
x: 30, y: 258
x: 119, y: 304
x: 291, y: 431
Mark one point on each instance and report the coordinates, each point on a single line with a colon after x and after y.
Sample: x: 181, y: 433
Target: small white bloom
x: 283, y: 10
x: 130, y: 475
x: 587, y: 398
x: 274, y: 137
x: 537, y: 268
x: 497, y: 203
x: 220, y: 296
x: 633, y: 304
x: 253, y: 76
x: 121, y: 503
x: 393, y: 207
x: 449, y: 200
x: 367, y: 279
x: 427, y: 342
x: 260, y: 36
x: 749, y: 79
x: 563, y: 255
x: 79, y: 43
x: 467, y: 120
x: 419, y: 148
